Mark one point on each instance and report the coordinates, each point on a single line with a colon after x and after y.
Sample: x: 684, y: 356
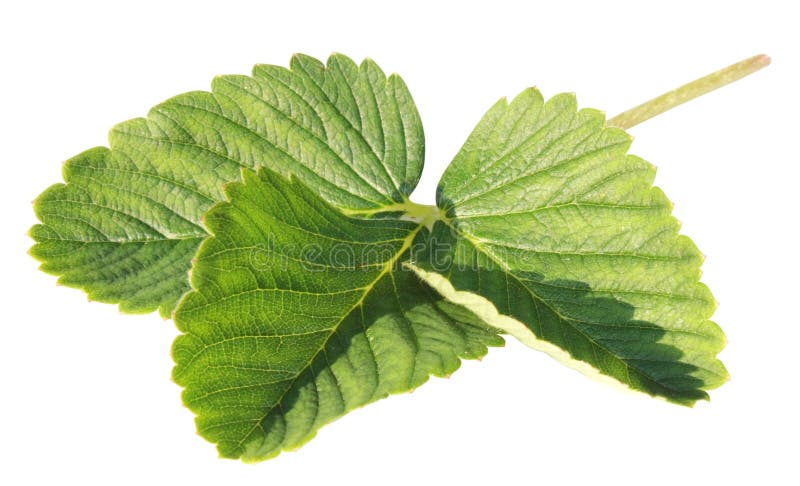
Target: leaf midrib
x: 358, y: 132
x: 323, y: 143
x: 568, y: 320
x: 367, y: 289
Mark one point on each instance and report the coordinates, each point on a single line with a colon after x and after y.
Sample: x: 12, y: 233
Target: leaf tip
x: 368, y: 61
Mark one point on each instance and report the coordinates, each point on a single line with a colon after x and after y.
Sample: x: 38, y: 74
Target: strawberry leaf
x: 301, y: 314
x: 128, y: 219
x: 553, y: 233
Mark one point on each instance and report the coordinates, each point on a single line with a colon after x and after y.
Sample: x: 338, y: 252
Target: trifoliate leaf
x: 301, y: 314
x: 555, y: 234
x: 323, y: 288
x: 129, y: 218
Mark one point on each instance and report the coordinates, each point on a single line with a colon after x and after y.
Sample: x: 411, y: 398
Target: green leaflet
x: 300, y: 314
x: 552, y: 224
x: 128, y: 220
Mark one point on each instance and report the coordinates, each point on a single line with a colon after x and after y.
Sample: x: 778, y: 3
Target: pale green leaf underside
x: 301, y: 314
x: 555, y: 225
x: 129, y: 218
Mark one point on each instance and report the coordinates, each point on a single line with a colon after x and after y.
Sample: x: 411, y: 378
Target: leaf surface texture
x: 128, y: 218
x: 301, y: 314
x: 553, y: 224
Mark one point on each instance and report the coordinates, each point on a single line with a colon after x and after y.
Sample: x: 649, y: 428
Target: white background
x: 85, y: 392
